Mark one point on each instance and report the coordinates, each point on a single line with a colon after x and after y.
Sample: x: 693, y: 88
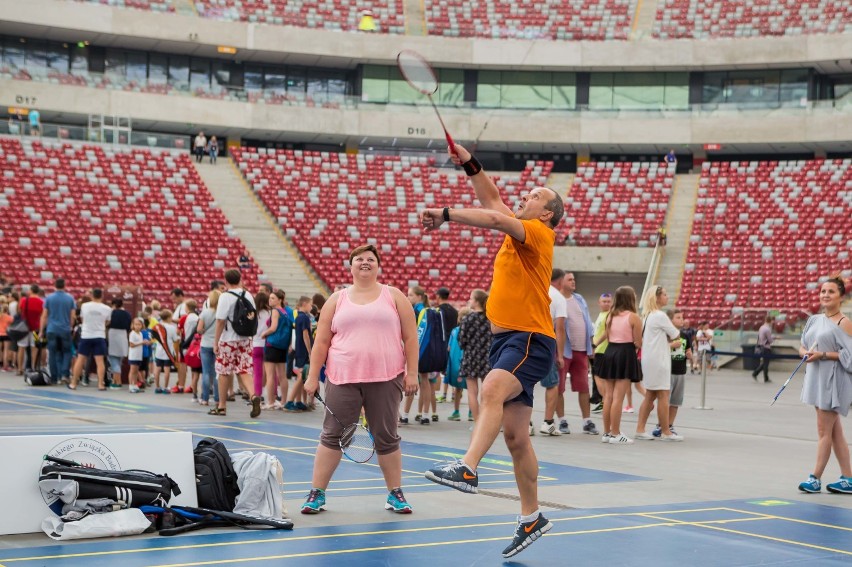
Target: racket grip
x: 451, y: 143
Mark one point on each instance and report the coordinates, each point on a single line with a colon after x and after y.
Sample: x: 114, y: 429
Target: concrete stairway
x: 184, y: 7
x: 678, y: 228
x: 643, y: 19
x: 561, y: 182
x: 277, y: 257
x: 415, y: 18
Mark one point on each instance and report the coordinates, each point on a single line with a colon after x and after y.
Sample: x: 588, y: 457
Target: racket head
x: 357, y: 443
x: 417, y: 71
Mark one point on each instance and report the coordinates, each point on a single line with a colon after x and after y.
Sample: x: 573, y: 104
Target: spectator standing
x: 264, y: 318
x: 475, y: 341
x: 135, y: 344
x: 578, y: 350
x: 178, y: 316
x: 277, y: 337
x: 207, y: 328
x: 5, y: 321
x: 704, y: 342
x: 117, y: 340
x: 450, y: 316
x: 30, y: 308
x: 57, y: 321
x: 671, y: 157
x: 94, y: 316
x: 188, y: 330
x: 200, y: 145
x: 764, y: 348
x: 681, y: 354
x: 688, y: 333
x: 301, y: 354
x: 165, y: 352
x: 35, y: 122
x: 599, y: 343
x: 367, y: 23
x: 550, y: 383
x: 213, y: 149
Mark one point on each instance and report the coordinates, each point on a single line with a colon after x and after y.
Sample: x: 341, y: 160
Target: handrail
x: 656, y: 259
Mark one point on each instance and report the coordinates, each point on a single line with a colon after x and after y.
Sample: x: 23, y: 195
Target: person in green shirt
x: 599, y: 343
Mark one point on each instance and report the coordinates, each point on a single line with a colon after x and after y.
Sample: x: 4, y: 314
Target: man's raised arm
x: 486, y: 191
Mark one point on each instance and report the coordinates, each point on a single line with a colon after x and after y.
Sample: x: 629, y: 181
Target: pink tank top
x: 366, y: 341
x: 620, y: 331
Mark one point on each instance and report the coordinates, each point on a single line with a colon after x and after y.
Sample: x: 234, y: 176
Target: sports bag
x: 215, y: 478
x: 244, y: 321
x: 37, y: 376
x: 433, y: 340
x: 133, y: 487
x: 283, y: 334
x: 18, y: 329
x: 193, y: 353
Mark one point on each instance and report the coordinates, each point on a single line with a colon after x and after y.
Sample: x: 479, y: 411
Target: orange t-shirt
x: 519, y: 296
x: 5, y: 321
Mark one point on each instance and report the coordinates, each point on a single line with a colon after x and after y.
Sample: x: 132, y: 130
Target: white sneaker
x: 549, y: 429
x: 672, y: 437
x: 621, y: 439
x: 644, y: 436
x: 532, y: 430
x: 605, y: 438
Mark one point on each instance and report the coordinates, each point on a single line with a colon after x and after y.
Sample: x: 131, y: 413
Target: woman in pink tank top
x: 367, y: 339
x: 620, y: 365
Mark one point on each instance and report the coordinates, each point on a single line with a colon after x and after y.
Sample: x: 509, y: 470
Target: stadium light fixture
x: 227, y: 49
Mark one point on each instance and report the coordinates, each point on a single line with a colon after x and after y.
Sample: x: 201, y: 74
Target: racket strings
x: 418, y: 73
x: 357, y: 443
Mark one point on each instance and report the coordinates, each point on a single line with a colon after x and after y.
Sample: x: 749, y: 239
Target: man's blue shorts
x: 528, y: 356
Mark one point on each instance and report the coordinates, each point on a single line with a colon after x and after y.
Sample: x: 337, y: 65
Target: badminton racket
x: 420, y: 75
x: 356, y: 441
x: 775, y: 399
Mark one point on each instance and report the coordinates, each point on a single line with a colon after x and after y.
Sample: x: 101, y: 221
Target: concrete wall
x: 102, y: 25
x: 802, y: 126
x: 603, y: 260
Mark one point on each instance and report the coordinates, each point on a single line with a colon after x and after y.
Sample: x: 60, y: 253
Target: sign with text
x: 161, y: 453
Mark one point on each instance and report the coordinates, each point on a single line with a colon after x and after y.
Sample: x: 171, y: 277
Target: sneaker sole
x: 810, y: 491
x: 406, y: 510
x: 527, y: 542
x: 460, y: 486
x: 255, y: 407
x: 591, y: 432
x: 837, y: 491
x: 306, y: 510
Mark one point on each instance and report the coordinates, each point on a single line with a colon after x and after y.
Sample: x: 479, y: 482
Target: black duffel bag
x: 133, y: 487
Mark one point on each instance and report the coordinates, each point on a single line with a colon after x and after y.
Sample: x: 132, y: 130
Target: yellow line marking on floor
x: 466, y: 526
x: 37, y: 406
x: 656, y: 516
x: 796, y: 520
x: 73, y: 402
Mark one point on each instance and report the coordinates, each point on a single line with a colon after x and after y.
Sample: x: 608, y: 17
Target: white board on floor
x: 160, y: 453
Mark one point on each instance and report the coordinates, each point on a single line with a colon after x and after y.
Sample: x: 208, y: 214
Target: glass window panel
x: 114, y: 65
x: 57, y: 57
x: 600, y: 91
x: 400, y: 92
x: 638, y: 90
x: 137, y: 66
x: 275, y: 82
x: 179, y: 72
x: 253, y: 78
x: 79, y: 59
x: 297, y: 82
x: 199, y: 73
x: 677, y: 91
x: 451, y: 87
x: 794, y: 85
x: 36, y: 55
x: 374, y: 83
x: 564, y: 91
x: 752, y: 87
x: 221, y: 73
x: 158, y: 69
x: 713, y: 90
x: 488, y: 89
x: 317, y: 87
x: 522, y: 89
x: 14, y: 54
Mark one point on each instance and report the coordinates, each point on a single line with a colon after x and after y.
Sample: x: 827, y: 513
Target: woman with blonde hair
x: 620, y: 365
x: 659, y: 335
x: 207, y: 328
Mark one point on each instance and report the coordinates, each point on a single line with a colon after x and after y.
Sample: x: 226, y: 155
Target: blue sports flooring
x: 759, y: 532
x: 56, y: 400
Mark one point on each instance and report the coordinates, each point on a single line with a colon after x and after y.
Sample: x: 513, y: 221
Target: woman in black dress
x: 475, y: 341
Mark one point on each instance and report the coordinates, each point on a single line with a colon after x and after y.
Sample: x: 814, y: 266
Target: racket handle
x: 317, y: 396
x: 451, y: 143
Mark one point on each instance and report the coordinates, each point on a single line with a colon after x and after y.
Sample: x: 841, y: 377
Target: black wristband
x: 446, y: 214
x: 472, y: 166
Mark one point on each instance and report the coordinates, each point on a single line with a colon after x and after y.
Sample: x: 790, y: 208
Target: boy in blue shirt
x: 302, y: 354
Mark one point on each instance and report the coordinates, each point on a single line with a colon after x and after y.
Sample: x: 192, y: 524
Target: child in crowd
x: 681, y: 354
x: 145, y: 367
x: 452, y: 375
x: 5, y: 344
x: 136, y: 345
x: 302, y: 355
x: 164, y: 355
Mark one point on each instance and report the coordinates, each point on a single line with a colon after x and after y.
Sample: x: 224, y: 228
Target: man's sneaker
x: 598, y: 408
x: 435, y: 417
x: 842, y: 486
x: 811, y: 486
x: 315, y: 503
x: 564, y: 429
x: 526, y: 533
x: 644, y: 436
x: 658, y: 431
x: 301, y: 407
x: 620, y: 439
x: 397, y: 502
x: 532, y: 430
x: 425, y: 421
x: 590, y: 429
x: 454, y: 416
x: 290, y: 406
x: 455, y: 474
x: 606, y: 437
x: 403, y: 420
x: 549, y: 429
x: 673, y: 437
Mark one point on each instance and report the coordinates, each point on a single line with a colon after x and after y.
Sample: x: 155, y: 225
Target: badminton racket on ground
x: 775, y: 399
x: 356, y: 441
x: 420, y: 75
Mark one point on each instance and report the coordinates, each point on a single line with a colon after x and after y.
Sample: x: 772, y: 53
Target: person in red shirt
x: 30, y: 307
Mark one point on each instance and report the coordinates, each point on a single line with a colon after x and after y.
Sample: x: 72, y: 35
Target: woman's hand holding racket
x: 312, y: 386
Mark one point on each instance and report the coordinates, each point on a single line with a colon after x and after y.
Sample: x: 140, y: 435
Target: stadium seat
x: 150, y: 5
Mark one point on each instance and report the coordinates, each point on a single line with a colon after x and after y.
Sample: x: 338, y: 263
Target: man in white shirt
x: 233, y: 351
x: 578, y: 348
x: 200, y: 146
x: 94, y: 316
x: 551, y: 381
x: 179, y: 301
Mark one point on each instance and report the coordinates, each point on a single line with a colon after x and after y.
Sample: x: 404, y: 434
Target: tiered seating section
x: 617, y: 204
x: 544, y: 19
x: 99, y: 216
x: 763, y: 236
x: 751, y: 18
x: 322, y: 14
x: 330, y: 203
x: 151, y: 5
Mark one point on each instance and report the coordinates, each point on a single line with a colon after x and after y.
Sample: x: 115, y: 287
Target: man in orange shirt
x: 523, y: 347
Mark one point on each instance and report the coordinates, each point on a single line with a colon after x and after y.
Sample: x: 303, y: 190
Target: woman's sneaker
x: 455, y: 474
x: 811, y: 486
x: 605, y: 438
x: 644, y: 436
x: 526, y: 533
x: 396, y: 501
x: 454, y: 416
x: 842, y: 486
x: 620, y: 439
x: 315, y: 503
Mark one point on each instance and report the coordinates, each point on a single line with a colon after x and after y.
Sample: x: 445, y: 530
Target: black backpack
x: 244, y: 322
x: 434, y: 341
x: 215, y: 478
